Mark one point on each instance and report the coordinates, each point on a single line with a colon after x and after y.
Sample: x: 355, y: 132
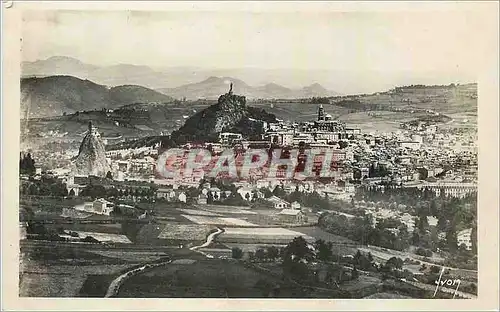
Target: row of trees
x: 97, y: 191
x: 298, y: 254
x: 26, y: 164
x: 46, y: 186
x: 360, y: 229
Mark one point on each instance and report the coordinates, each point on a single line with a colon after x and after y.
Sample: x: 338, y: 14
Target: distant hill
x: 182, y: 81
x: 212, y: 87
x: 115, y: 75
x: 130, y: 94
x: 57, y: 65
x: 55, y: 95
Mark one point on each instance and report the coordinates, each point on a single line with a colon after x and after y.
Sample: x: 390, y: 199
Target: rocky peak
x: 91, y: 159
x: 228, y: 114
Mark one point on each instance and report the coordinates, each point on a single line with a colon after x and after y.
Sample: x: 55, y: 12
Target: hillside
x: 212, y: 87
x: 56, y: 95
x: 130, y: 94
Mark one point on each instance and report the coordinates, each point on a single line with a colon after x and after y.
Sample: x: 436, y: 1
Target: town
x: 245, y: 154
x: 403, y: 185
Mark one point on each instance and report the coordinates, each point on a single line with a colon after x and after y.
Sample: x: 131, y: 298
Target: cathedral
x: 325, y: 122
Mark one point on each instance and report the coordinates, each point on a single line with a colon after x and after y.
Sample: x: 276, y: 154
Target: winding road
x: 210, y: 238
x: 114, y: 286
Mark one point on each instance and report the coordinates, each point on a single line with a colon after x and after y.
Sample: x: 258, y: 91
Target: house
x: 102, y: 206
x: 295, y: 205
x: 291, y: 216
x: 258, y: 194
x: 246, y: 193
x: 464, y: 237
x: 99, y: 206
x: 182, y: 197
x: 163, y: 193
x: 228, y: 194
x: 86, y: 207
x: 432, y: 221
x: 215, y: 193
x: 277, y: 202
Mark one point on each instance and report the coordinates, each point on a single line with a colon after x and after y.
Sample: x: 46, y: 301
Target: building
x: 451, y: 189
x: 464, y: 237
x: 278, y: 203
x: 414, y: 145
x: 98, y: 206
x: 164, y: 193
x: 291, y: 216
x: 215, y: 193
x: 182, y: 197
x: 246, y: 193
x: 295, y: 205
x: 229, y: 137
x: 102, y: 206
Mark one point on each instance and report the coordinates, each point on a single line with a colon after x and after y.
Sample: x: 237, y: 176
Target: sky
x: 428, y: 44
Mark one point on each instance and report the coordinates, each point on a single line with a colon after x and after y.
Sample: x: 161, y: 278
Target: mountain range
x: 212, y: 87
x: 56, y: 95
x: 178, y: 82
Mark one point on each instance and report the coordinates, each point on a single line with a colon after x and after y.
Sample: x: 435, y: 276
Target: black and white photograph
x: 244, y: 154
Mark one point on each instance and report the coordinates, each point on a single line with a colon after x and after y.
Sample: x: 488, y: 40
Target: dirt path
x: 114, y: 286
x: 209, y: 240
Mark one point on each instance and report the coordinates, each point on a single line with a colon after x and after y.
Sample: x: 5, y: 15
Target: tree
x: 237, y: 253
x: 272, y: 252
x: 422, y: 224
x: 109, y: 175
x: 423, y: 252
x: 279, y: 192
x: 451, y: 236
x: 394, y: 263
x: 260, y: 254
x: 27, y: 164
x: 473, y: 238
x: 324, y: 250
x: 355, y: 273
x: 298, y: 249
x: 371, y: 171
x: 343, y: 144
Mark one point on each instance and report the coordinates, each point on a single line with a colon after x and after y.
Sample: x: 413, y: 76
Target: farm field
x: 105, y: 237
x: 132, y: 256
x: 218, y: 221
x: 231, y: 210
x: 318, y: 233
x: 198, y: 212
x: 208, y: 279
x: 196, y: 232
x: 259, y: 236
x: 61, y: 272
x: 73, y: 270
x: 252, y: 247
